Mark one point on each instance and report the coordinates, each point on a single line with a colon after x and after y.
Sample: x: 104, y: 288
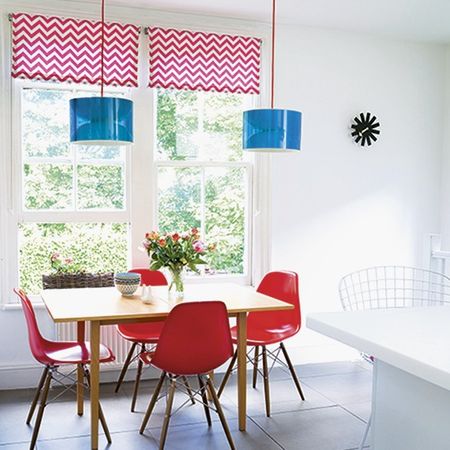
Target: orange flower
x: 162, y: 242
x: 175, y: 237
x: 153, y: 236
x: 194, y: 231
x: 212, y: 247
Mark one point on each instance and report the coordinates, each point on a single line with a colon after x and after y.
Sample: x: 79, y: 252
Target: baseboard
x: 27, y: 375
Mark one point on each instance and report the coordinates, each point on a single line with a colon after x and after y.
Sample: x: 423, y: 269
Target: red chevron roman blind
x: 191, y: 60
x: 60, y: 49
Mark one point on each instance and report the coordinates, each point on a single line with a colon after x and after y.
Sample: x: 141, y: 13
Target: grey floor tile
x: 202, y: 437
x: 283, y: 397
x: 295, y: 424
x: 361, y: 410
x: 329, y: 428
x: 333, y: 368
x: 128, y: 440
x: 18, y: 446
x: 354, y: 387
x: 12, y: 423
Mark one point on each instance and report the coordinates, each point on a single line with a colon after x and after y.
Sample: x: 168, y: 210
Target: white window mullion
x: 202, y: 202
x: 74, y: 177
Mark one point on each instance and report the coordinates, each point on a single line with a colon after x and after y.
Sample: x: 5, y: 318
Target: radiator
x: 108, y: 336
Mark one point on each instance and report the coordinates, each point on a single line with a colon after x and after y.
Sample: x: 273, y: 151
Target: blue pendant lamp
x: 272, y: 130
x: 101, y: 120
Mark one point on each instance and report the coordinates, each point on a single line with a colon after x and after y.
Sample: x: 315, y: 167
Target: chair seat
x: 146, y: 333
x: 71, y: 352
x: 266, y: 336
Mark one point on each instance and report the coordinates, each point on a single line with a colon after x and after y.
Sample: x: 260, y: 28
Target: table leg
x: 95, y: 379
x: 242, y: 368
x: 80, y: 374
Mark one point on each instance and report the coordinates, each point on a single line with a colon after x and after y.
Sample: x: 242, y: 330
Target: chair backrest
x: 282, y: 285
x: 195, y: 339
x: 36, y: 340
x: 385, y: 287
x: 150, y: 277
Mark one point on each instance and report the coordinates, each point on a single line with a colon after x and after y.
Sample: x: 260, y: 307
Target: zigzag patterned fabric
x: 182, y: 59
x: 60, y: 49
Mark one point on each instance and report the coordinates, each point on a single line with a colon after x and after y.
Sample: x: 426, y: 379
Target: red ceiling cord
x: 102, y: 49
x: 272, y: 82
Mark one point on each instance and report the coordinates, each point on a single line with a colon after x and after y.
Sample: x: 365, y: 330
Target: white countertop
x: 416, y: 340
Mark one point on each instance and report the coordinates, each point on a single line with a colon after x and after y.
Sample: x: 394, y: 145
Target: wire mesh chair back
x: 385, y: 287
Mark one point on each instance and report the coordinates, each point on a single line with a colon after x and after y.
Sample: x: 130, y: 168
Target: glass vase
x: 176, y: 284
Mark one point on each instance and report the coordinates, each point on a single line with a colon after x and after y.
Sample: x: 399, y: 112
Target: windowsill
x: 17, y: 306
x: 219, y: 278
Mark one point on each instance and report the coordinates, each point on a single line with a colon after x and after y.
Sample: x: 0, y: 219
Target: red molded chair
x: 195, y: 340
x: 266, y: 328
x: 53, y: 354
x: 141, y: 334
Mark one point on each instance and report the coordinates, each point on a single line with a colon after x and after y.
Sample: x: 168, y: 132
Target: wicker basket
x: 77, y: 280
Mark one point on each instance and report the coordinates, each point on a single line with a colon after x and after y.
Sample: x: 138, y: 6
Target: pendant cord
x: 102, y: 62
x: 272, y: 81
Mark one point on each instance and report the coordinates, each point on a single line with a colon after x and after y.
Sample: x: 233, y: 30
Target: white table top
x: 416, y: 340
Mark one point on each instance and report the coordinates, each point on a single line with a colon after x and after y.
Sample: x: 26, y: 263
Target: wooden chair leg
x: 167, y: 415
x: 137, y: 381
x: 188, y: 388
x: 266, y: 380
x: 255, y: 366
x: 104, y: 424
x: 125, y: 367
x: 227, y: 374
x: 204, y: 399
x: 36, y: 395
x: 44, y: 395
x: 292, y: 370
x: 223, y: 421
x: 152, y: 403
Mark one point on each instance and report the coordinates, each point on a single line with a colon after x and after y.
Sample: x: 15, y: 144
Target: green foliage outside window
x: 94, y: 247
x: 199, y: 126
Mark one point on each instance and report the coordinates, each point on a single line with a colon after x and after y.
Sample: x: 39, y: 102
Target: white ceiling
x: 422, y: 20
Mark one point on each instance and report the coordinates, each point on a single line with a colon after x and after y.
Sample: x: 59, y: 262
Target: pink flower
x: 146, y: 244
x: 55, y: 256
x: 199, y: 246
x: 68, y: 261
x: 194, y: 231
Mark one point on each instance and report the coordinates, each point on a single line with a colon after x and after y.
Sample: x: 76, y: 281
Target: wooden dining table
x: 106, y: 306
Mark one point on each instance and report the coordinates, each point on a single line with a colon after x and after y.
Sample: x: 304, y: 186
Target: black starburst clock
x: 365, y: 129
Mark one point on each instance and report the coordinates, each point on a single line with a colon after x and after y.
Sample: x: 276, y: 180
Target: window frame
x: 248, y: 163
x: 140, y: 163
x: 18, y: 214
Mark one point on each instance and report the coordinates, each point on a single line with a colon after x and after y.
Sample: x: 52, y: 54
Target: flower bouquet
x: 176, y: 251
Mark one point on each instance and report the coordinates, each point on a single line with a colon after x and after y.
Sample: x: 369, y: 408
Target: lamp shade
x: 101, y: 121
x: 272, y: 130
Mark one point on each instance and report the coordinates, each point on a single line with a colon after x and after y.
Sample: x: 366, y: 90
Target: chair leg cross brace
x: 201, y: 392
x: 265, y: 353
x: 42, y: 392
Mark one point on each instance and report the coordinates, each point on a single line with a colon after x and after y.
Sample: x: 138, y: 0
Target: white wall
x: 337, y: 207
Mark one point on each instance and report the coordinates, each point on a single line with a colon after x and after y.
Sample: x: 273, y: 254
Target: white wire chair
x: 386, y: 287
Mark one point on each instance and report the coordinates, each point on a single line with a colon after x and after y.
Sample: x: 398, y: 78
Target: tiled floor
x: 331, y: 418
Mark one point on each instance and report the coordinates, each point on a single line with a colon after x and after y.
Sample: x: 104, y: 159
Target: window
x: 73, y: 198
x: 203, y: 178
